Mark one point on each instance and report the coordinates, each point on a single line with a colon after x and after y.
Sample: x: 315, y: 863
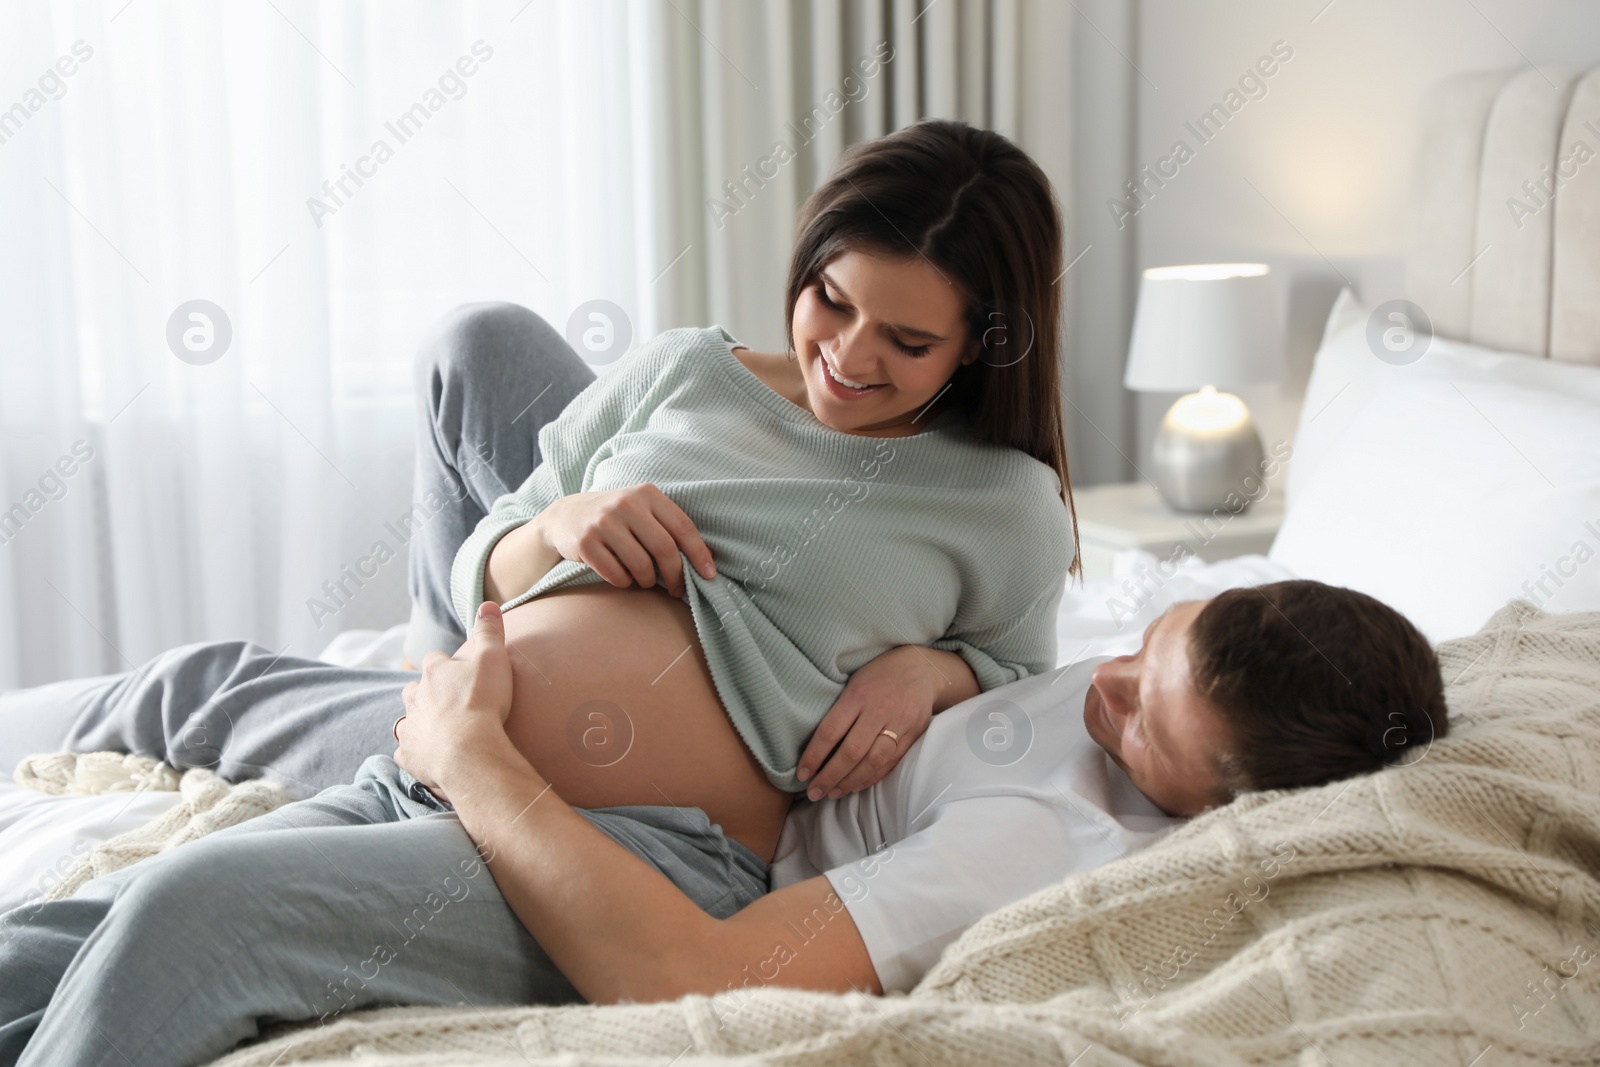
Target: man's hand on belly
x: 459, y: 705
x: 613, y: 924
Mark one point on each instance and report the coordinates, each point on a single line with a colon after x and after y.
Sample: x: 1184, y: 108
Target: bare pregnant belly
x: 614, y: 703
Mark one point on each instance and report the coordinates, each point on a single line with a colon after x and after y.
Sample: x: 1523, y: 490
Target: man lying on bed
x: 187, y: 952
x: 1291, y: 684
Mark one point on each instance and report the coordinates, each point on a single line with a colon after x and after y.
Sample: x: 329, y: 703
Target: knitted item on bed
x: 89, y: 773
x: 209, y: 803
x: 1443, y: 912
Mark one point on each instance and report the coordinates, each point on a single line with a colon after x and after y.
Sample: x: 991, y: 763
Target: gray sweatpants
x: 368, y: 892
x: 486, y: 380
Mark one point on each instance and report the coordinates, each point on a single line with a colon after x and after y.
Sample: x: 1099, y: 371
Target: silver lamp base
x: 1206, y: 452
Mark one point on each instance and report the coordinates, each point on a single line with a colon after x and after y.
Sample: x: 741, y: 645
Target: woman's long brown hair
x: 981, y: 211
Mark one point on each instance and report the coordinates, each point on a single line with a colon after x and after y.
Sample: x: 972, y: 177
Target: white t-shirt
x: 1003, y: 795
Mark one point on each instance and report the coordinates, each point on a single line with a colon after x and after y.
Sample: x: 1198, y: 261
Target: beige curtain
x: 753, y: 105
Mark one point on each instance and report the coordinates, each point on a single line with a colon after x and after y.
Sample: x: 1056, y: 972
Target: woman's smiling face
x: 894, y: 324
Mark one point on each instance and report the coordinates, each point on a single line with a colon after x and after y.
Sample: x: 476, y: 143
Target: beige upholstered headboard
x: 1496, y: 259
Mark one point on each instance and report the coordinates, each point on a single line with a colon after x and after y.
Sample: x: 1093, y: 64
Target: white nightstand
x: 1132, y: 515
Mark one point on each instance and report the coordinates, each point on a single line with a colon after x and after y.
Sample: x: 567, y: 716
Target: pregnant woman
x: 728, y: 577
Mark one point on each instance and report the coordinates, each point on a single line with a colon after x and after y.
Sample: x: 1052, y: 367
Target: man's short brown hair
x: 1315, y: 682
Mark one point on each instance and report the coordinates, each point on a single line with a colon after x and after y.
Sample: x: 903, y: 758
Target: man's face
x: 1144, y: 711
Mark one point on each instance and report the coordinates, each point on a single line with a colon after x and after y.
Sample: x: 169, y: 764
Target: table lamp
x: 1198, y: 327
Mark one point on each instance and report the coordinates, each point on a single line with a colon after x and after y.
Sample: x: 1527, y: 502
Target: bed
x: 1443, y: 911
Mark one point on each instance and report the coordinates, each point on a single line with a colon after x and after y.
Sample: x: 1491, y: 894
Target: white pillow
x: 1343, y: 370
x: 1447, y: 486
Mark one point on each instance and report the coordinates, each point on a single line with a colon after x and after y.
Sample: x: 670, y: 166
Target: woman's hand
x: 627, y: 535
x: 459, y: 703
x: 898, y: 691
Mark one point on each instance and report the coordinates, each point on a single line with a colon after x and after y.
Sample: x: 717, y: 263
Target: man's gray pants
x: 366, y: 893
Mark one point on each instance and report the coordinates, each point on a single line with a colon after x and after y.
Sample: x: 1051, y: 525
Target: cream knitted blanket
x: 1444, y: 912
x: 209, y: 803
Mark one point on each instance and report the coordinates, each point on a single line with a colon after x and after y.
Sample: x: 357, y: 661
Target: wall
x: 1311, y: 177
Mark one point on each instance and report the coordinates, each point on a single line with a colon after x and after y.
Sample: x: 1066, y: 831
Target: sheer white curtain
x: 334, y: 177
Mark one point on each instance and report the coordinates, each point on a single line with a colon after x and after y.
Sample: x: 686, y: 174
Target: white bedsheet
x: 43, y: 836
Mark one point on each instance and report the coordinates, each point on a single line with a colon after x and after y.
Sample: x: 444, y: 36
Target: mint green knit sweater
x: 830, y: 548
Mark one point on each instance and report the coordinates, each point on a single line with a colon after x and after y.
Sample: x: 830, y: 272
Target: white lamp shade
x: 1204, y: 324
